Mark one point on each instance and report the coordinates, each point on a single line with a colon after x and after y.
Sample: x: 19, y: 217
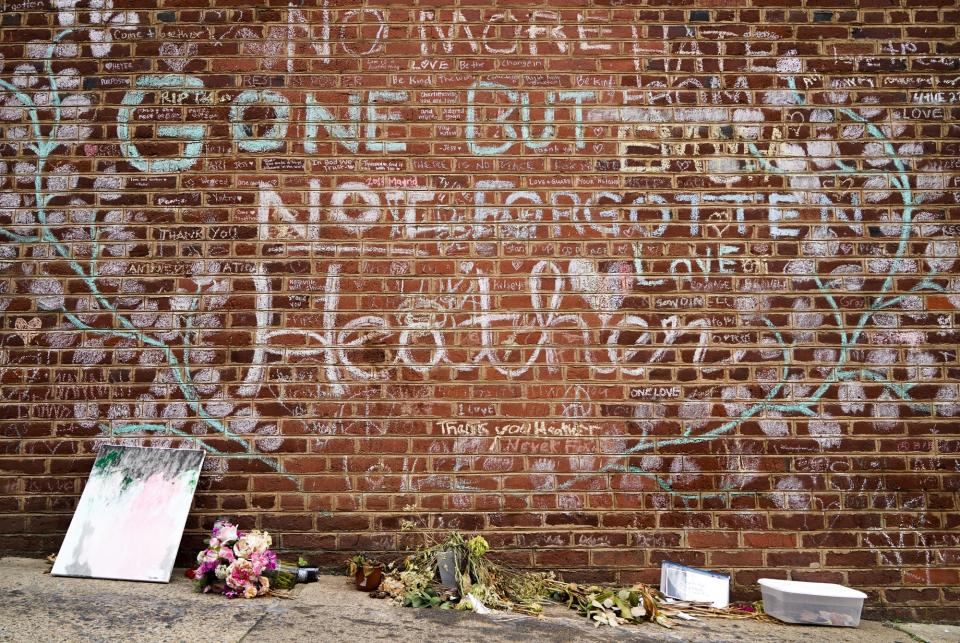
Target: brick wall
x: 611, y: 283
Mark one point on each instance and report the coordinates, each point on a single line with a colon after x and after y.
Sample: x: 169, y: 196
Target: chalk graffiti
x: 783, y: 400
x: 82, y: 252
x: 508, y: 320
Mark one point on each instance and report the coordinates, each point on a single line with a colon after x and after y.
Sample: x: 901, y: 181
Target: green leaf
x: 623, y: 606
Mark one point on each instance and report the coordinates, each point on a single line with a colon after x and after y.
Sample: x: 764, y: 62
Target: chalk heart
x: 603, y: 291
x: 28, y: 330
x: 177, y: 57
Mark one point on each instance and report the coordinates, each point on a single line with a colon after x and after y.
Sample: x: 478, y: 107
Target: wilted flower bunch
x: 234, y: 562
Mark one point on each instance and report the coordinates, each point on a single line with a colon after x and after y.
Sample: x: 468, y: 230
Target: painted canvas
x: 131, y: 515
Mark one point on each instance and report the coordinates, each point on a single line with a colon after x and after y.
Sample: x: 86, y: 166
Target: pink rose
x: 239, y: 573
x: 225, y: 531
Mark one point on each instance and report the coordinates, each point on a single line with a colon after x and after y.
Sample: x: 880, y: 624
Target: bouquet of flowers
x: 235, y: 562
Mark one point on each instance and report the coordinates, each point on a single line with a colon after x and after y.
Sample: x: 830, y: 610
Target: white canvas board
x: 130, y: 518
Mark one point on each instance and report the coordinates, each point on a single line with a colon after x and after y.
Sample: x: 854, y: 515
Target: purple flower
x: 271, y: 557
x: 208, y: 560
x: 262, y: 561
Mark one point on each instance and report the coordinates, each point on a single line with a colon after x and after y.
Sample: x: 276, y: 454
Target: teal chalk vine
x: 43, y: 146
x: 849, y: 337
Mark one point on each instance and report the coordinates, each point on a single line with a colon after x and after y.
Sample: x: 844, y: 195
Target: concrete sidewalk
x: 40, y: 607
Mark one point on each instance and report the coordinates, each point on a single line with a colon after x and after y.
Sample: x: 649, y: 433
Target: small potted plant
x: 367, y: 574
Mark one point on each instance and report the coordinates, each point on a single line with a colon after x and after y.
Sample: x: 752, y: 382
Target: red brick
x: 711, y: 539
x: 769, y: 540
x: 924, y: 595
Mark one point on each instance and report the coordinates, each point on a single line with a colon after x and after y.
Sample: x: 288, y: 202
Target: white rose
x: 260, y: 540
x: 243, y: 549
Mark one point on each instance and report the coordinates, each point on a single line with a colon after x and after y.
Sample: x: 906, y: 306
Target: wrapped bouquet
x: 235, y: 563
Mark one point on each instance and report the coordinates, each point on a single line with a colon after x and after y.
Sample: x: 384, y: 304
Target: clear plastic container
x: 811, y: 603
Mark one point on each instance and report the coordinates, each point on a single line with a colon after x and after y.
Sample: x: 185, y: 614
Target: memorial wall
x: 610, y: 283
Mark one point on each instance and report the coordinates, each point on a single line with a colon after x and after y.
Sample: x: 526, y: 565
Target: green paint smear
x: 106, y: 460
x: 127, y: 480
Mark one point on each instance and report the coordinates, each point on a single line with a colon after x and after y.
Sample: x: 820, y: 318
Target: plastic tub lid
x: 827, y: 590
